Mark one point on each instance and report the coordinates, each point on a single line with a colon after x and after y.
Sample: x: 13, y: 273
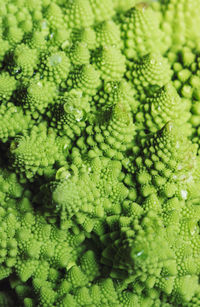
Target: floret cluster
x: 99, y: 153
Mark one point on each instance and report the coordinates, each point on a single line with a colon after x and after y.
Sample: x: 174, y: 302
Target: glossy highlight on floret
x: 99, y: 153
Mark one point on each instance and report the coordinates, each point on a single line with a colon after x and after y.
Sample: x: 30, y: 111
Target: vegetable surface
x: 99, y: 153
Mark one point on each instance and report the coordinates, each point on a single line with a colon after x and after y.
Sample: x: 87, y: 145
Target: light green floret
x: 84, y: 35
x: 102, y: 9
x: 12, y: 121
x: 150, y: 73
x: 14, y: 35
x: 39, y: 95
x: 25, y: 61
x: 114, y: 91
x: 167, y: 166
x: 110, y: 176
x: 54, y: 66
x: 107, y: 176
x: 43, y: 28
x: 36, y: 40
x: 180, y: 21
x: 196, y: 137
x: 112, y: 136
x: 9, y: 19
x: 60, y: 38
x: 69, y: 114
x: 186, y: 79
x: 9, y: 246
x: 140, y: 32
x: 9, y: 221
x: 23, y: 18
x: 34, y: 5
x: 110, y: 61
x: 188, y: 263
x: 108, y: 33
x: 55, y: 16
x: 7, y: 86
x: 37, y: 153
x: 10, y: 187
x: 103, y: 291
x: 185, y: 65
x: 163, y: 106
x: 123, y: 5
x: 37, y: 251
x: 140, y: 246
x: 89, y: 265
x: 79, y: 53
x: 85, y: 78
x: 195, y: 300
x: 97, y: 101
x: 79, y: 14
x: 79, y: 198
x: 4, y: 48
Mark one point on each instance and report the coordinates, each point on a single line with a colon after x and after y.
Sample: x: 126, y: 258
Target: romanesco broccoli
x: 99, y: 153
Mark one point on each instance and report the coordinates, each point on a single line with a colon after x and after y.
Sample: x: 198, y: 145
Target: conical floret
x: 165, y: 105
x: 167, y: 164
x: 140, y: 32
x: 79, y: 14
x: 110, y: 61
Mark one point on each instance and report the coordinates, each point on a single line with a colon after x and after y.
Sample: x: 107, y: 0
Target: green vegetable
x: 99, y: 153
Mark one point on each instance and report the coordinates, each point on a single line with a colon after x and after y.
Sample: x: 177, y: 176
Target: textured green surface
x: 99, y: 153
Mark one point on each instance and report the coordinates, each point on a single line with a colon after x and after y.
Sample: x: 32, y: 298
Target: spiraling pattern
x: 99, y: 153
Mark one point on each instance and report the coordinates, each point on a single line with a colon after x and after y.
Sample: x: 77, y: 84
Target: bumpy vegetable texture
x: 99, y: 153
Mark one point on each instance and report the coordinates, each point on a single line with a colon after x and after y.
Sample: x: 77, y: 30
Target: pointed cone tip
x: 169, y: 88
x: 142, y: 6
x: 153, y: 58
x: 169, y: 127
x: 172, y: 129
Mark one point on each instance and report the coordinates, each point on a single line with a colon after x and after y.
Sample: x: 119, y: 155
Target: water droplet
x: 44, y: 24
x: 184, y: 194
x: 16, y: 71
x: 77, y: 113
x: 65, y: 44
x: 139, y: 254
x: 179, y: 167
x: 55, y: 59
x: 152, y: 61
x: 63, y: 173
x: 39, y: 84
